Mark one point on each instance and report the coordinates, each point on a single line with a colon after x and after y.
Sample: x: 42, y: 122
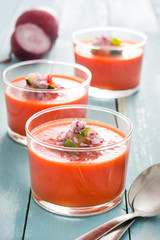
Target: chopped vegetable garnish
x: 104, y: 42
x: 79, y: 135
x: 70, y: 143
x: 84, y: 132
x: 40, y: 81
x: 101, y: 41
x: 116, y: 41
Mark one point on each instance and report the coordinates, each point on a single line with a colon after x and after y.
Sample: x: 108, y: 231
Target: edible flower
x: 80, y: 135
x: 40, y: 81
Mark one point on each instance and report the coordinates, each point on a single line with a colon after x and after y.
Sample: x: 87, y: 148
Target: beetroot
x: 36, y: 31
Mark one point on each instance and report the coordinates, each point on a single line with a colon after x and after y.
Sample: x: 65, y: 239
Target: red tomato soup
x: 22, y: 104
x: 111, y: 70
x: 77, y: 179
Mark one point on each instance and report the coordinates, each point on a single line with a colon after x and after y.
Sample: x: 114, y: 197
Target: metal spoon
x: 144, y: 195
x: 117, y: 232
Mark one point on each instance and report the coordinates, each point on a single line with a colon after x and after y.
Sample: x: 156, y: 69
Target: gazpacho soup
x: 114, y: 57
x: 78, y: 163
x: 40, y: 91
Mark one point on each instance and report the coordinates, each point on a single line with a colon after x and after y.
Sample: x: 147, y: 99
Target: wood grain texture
x: 74, y: 16
x: 137, y: 14
x: 143, y: 109
x: 14, y: 173
x: 44, y: 225
x: 14, y: 167
x: 40, y: 223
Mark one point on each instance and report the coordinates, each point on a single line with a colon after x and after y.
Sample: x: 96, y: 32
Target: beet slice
x: 29, y: 41
x: 43, y: 18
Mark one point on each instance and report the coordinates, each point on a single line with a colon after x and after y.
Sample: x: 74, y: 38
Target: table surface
x: 20, y: 216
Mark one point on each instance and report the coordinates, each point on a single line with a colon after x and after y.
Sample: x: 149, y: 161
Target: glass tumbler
x: 22, y: 101
x: 114, y: 57
x: 78, y: 181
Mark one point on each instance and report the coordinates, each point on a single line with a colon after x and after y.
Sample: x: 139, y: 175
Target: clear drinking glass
x: 114, y: 57
x: 78, y: 181
x: 22, y: 102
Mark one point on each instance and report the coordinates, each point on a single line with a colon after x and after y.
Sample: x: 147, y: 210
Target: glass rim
x: 118, y: 29
x: 37, y: 61
x: 81, y: 149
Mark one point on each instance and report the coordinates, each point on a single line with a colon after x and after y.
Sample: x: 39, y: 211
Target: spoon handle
x: 117, y: 232
x: 106, y: 227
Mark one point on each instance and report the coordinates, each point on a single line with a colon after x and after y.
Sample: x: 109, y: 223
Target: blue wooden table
x: 20, y: 216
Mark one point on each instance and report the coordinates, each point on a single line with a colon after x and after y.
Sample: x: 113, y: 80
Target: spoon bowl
x: 144, y: 193
x: 151, y: 205
x: 143, y: 196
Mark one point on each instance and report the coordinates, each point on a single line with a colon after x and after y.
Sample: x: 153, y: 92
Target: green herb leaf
x: 69, y: 143
x: 116, y: 41
x: 84, y: 132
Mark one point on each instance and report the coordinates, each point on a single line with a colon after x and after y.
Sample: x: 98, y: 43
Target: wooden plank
x: 14, y: 187
x: 139, y: 108
x: 143, y: 109
x: 14, y: 172
x: 44, y: 225
x: 146, y: 140
x: 14, y: 167
x: 41, y: 224
x: 7, y: 14
x: 77, y: 15
x: 137, y: 14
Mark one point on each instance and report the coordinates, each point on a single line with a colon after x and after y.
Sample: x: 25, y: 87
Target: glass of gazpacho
x: 32, y: 86
x: 78, y: 158
x: 114, y: 57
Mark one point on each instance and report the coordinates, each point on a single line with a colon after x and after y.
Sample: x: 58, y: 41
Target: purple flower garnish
x: 79, y: 135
